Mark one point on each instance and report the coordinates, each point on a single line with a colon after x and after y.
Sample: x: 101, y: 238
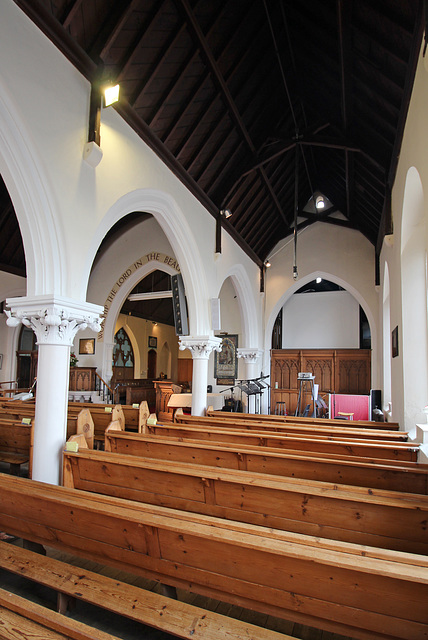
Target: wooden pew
x: 360, y: 591
x: 390, y: 426
x: 16, y: 444
x: 374, y: 449
x: 379, y: 518
x: 403, y: 476
x: 361, y: 433
x: 181, y: 619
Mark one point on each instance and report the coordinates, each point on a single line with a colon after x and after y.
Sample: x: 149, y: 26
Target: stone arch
x: 414, y: 339
x: 21, y: 169
x: 179, y: 234
x: 246, y: 304
x: 301, y: 282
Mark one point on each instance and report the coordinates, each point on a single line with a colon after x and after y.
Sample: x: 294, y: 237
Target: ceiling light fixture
x: 318, y: 280
x: 267, y: 263
x: 319, y: 202
x: 226, y: 213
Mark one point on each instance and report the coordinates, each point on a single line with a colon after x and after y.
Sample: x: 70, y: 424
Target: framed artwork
x: 87, y: 346
x: 226, y: 362
x: 1, y: 360
x: 394, y: 342
x: 153, y: 342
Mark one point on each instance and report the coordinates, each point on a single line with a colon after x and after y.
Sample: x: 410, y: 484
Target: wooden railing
x: 105, y: 392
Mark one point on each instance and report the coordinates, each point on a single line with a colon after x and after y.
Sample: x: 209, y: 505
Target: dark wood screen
x: 335, y: 370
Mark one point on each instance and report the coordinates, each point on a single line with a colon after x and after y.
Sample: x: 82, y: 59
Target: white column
x: 201, y: 348
x: 252, y: 371
x: 55, y: 321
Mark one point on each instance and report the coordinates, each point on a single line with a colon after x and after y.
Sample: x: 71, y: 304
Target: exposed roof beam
x: 230, y: 103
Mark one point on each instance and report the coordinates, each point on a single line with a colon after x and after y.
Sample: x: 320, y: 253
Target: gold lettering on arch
x: 153, y: 256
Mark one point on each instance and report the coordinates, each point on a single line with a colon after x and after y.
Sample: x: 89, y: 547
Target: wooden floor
x: 129, y: 630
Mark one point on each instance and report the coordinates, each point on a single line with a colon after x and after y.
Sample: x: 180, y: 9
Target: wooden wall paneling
x: 336, y: 371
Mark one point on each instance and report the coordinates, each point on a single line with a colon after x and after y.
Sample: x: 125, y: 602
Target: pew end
x: 117, y: 414
x: 143, y: 416
x: 85, y: 426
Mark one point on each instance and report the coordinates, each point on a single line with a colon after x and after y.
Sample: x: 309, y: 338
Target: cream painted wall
x: 324, y: 320
x: 341, y: 255
x: 413, y: 154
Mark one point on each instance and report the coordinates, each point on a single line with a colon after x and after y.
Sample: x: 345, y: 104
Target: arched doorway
x: 151, y: 364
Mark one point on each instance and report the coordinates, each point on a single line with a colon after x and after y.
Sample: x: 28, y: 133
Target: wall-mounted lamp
x: 267, y: 264
x: 92, y: 153
x: 226, y: 213
x: 111, y: 94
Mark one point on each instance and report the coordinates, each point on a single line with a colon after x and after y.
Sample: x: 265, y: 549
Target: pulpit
x: 164, y: 390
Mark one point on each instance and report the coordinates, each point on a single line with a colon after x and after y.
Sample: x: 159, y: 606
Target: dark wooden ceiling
x: 255, y: 104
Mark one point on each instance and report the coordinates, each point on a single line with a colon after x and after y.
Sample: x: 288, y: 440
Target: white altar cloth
x: 183, y: 400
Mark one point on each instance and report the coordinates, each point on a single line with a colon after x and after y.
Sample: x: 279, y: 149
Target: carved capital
x: 201, y: 346
x: 54, y: 320
x: 250, y: 355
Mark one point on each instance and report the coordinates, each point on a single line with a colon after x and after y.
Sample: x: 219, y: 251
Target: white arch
x: 339, y: 281
x: 20, y: 167
x: 414, y: 300
x: 176, y: 228
x: 125, y: 290
x: 386, y: 314
x: 246, y: 303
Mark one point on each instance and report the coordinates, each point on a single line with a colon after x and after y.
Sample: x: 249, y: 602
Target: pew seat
x: 155, y: 610
x: 27, y: 620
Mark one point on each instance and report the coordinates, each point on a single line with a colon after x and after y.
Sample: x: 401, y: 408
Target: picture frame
x: 153, y: 342
x: 87, y: 346
x: 1, y: 360
x: 394, y: 342
x: 226, y: 361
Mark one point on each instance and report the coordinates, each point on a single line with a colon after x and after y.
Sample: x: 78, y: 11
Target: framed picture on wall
x: 87, y: 346
x: 394, y: 342
x: 226, y: 362
x: 153, y: 342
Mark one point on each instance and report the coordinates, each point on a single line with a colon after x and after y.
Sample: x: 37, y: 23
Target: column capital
x: 249, y: 355
x: 54, y: 319
x: 200, y: 346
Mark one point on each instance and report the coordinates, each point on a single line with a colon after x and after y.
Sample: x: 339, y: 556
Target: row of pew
x: 322, y: 524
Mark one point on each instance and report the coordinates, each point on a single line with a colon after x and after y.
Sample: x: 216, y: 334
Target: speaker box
x: 179, y: 306
x: 215, y: 314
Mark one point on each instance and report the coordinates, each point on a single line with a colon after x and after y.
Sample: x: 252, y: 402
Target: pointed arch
x: 337, y: 280
x: 246, y: 304
x: 179, y: 234
x: 21, y: 169
x: 414, y: 337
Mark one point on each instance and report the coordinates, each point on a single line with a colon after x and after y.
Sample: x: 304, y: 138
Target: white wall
x: 323, y: 320
x: 413, y: 162
x: 343, y: 256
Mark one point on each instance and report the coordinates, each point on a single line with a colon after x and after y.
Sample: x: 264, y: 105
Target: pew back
x: 379, y: 518
x: 409, y: 477
x: 368, y: 449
